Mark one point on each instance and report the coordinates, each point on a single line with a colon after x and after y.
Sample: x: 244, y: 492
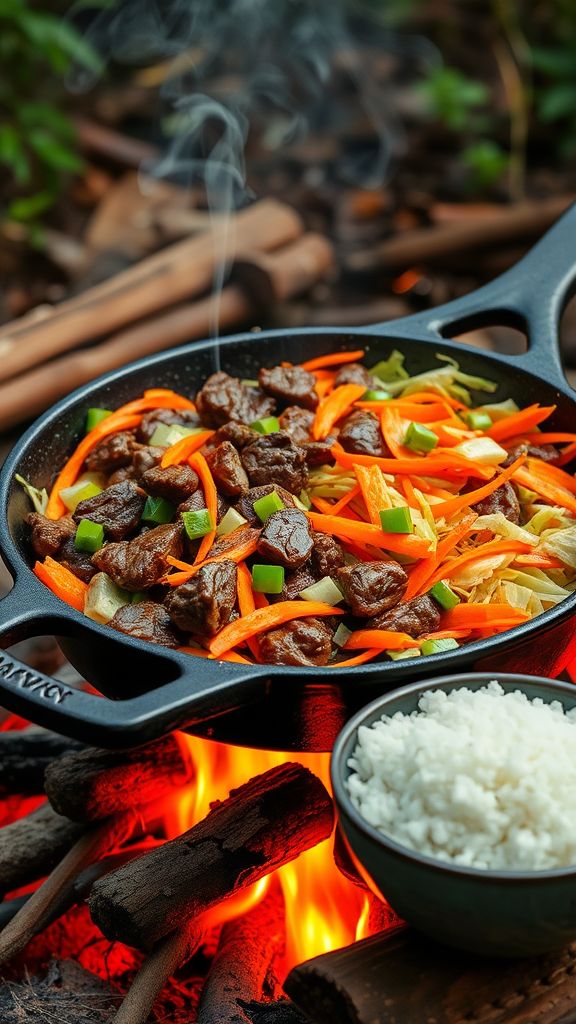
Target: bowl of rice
x: 457, y: 800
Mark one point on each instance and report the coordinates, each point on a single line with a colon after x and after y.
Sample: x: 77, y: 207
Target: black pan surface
x: 149, y: 691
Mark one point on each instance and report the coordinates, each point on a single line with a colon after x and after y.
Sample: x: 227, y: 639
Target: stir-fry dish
x: 324, y: 514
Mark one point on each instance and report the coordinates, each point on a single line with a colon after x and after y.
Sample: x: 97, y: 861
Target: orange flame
x: 324, y: 911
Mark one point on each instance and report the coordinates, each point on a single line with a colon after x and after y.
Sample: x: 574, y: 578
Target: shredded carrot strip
x: 374, y: 492
x: 233, y: 554
x: 199, y: 464
x: 449, y: 508
x: 385, y: 639
x: 420, y: 413
x: 526, y: 419
x: 322, y: 387
x: 155, y: 398
x: 184, y: 448
x: 541, y: 437
x: 266, y: 618
x: 546, y: 488
x: 62, y: 582
x: 567, y: 455
x: 494, y: 547
x: 477, y: 616
x: 337, y: 507
x: 366, y: 533
x: 539, y: 560
x: 394, y: 429
x: 246, y: 602
x: 359, y: 659
x: 337, y: 404
x: 552, y: 473
x: 260, y: 600
x: 421, y: 573
x: 235, y: 657
x: 199, y: 652
x: 450, y: 435
x: 409, y: 493
x: 435, y: 464
x: 333, y: 359
x: 431, y: 396
x: 445, y: 634
x: 69, y: 472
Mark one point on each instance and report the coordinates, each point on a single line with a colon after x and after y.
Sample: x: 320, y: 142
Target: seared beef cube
x: 504, y: 499
x: 204, y: 605
x: 78, y: 562
x: 146, y: 620
x: 297, y: 422
x: 245, y: 505
x: 48, y: 535
x: 146, y: 458
x: 197, y: 501
x: 370, y: 588
x: 420, y: 615
x: 225, y: 398
x: 120, y: 475
x: 153, y: 419
x: 118, y: 509
x: 226, y: 468
x: 355, y: 373
x: 139, y: 564
x: 300, y: 642
x: 544, y: 452
x: 274, y: 458
x: 327, y: 554
x: 294, y: 583
x: 290, y: 384
x: 319, y: 453
x: 222, y: 545
x: 286, y: 538
x: 360, y: 434
x: 175, y: 483
x: 237, y: 433
x: 112, y: 453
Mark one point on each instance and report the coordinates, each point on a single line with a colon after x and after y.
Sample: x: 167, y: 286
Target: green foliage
x: 555, y: 95
x: 37, y: 144
x: 486, y: 162
x: 452, y: 97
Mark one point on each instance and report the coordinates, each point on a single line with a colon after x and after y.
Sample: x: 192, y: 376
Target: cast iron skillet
x: 270, y: 706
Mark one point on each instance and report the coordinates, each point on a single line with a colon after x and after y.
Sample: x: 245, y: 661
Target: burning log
x: 32, y: 846
x: 265, y: 823
x: 24, y: 756
x: 172, y: 275
x: 246, y: 961
x: 95, y: 783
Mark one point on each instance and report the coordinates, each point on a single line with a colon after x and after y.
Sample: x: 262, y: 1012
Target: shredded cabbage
x: 562, y: 544
x: 499, y: 524
x: 548, y: 517
x: 38, y: 498
x: 449, y: 381
x: 391, y: 369
x: 538, y: 582
x: 500, y: 410
x: 478, y: 572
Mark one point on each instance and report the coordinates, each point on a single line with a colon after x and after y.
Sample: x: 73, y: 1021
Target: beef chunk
x: 370, y: 588
x: 146, y: 458
x: 318, y: 453
x: 153, y: 419
x: 355, y: 373
x: 118, y: 509
x: 120, y: 475
x: 327, y: 555
x: 204, y: 605
x: 245, y: 506
x: 139, y: 564
x: 290, y: 384
x: 286, y: 538
x: 294, y: 583
x: 48, y: 535
x: 297, y: 422
x: 146, y: 620
x: 237, y: 433
x: 360, y: 434
x: 78, y: 562
x: 300, y: 642
x: 504, y: 499
x: 274, y: 458
x: 197, y: 501
x: 222, y: 545
x: 226, y: 468
x: 112, y: 453
x: 225, y: 398
x: 175, y: 483
x: 545, y: 452
x: 420, y: 615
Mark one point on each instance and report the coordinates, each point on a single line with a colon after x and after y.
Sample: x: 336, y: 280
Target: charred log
x: 25, y: 755
x: 32, y: 846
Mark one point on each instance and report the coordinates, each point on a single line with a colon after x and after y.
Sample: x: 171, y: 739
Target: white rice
x: 484, y: 779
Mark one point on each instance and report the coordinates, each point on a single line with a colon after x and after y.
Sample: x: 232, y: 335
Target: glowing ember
x: 323, y: 909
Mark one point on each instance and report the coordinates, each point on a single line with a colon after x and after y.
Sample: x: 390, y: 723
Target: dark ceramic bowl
x: 501, y: 913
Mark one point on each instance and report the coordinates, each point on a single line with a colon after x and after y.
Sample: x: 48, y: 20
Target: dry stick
x: 53, y: 897
x: 271, y: 276
x: 96, y: 783
x: 123, y: 149
x: 172, y: 275
x: 265, y: 823
x: 512, y: 224
x: 32, y: 846
x: 249, y: 951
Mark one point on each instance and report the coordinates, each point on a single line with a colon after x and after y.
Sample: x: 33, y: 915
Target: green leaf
x: 77, y: 48
x: 486, y: 161
x: 13, y: 154
x: 451, y: 96
x: 28, y: 207
x: 43, y: 115
x: 557, y: 102
x: 53, y: 152
x: 556, y: 62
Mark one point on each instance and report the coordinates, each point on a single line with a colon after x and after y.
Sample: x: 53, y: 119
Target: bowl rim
x: 345, y: 807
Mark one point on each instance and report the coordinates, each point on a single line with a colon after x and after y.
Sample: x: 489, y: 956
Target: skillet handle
x: 199, y: 689
x: 531, y: 295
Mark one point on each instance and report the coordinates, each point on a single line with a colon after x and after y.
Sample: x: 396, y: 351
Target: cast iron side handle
x: 197, y: 691
x: 531, y: 295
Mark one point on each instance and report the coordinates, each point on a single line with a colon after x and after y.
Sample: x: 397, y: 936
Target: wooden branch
x: 32, y: 846
x: 267, y: 822
x: 114, y: 145
x: 400, y: 976
x: 249, y: 950
x: 96, y: 783
x: 24, y: 756
x: 177, y: 272
x: 276, y: 274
